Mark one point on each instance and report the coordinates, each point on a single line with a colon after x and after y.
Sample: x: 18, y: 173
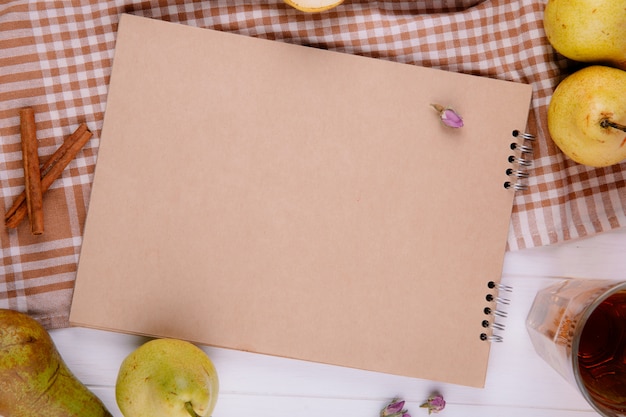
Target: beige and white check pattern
x: 56, y: 56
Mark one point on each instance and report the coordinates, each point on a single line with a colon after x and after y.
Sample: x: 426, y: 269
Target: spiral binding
x: 490, y: 323
x: 520, y: 161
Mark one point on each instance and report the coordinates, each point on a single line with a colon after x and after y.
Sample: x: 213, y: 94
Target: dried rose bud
x: 394, y: 409
x: 435, y: 404
x: 448, y: 116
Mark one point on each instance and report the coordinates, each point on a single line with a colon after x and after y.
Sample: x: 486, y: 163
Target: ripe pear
x: 167, y: 378
x: 34, y: 380
x: 588, y: 30
x: 587, y: 116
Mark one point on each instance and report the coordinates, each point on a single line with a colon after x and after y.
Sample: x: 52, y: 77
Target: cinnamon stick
x: 32, y: 178
x: 50, y: 171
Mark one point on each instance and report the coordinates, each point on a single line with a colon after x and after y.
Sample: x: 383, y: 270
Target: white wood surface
x: 519, y: 383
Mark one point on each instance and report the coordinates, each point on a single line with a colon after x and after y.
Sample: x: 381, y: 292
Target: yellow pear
x: 167, y: 378
x: 313, y: 6
x: 587, y: 116
x: 588, y: 30
x: 34, y: 379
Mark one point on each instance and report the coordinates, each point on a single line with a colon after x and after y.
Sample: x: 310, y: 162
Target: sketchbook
x: 286, y: 200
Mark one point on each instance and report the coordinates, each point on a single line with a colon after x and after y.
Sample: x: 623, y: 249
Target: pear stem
x: 190, y: 409
x: 606, y: 123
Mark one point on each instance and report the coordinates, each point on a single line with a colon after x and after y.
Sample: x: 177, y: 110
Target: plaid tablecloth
x: 56, y: 56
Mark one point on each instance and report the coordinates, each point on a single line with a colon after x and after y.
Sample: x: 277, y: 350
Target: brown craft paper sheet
x: 279, y: 199
x: 56, y: 56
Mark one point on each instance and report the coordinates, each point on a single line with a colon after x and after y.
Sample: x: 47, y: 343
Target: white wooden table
x: 519, y: 383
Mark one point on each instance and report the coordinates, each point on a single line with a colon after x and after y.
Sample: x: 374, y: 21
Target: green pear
x: 34, y: 380
x: 587, y: 116
x: 588, y: 30
x: 167, y: 378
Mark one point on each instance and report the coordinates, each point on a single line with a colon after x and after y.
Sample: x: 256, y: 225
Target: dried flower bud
x: 435, y: 404
x: 394, y: 409
x: 448, y: 116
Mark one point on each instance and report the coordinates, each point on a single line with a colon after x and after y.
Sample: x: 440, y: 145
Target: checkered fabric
x: 56, y: 57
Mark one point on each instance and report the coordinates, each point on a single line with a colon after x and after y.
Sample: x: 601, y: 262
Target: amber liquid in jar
x: 602, y: 353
